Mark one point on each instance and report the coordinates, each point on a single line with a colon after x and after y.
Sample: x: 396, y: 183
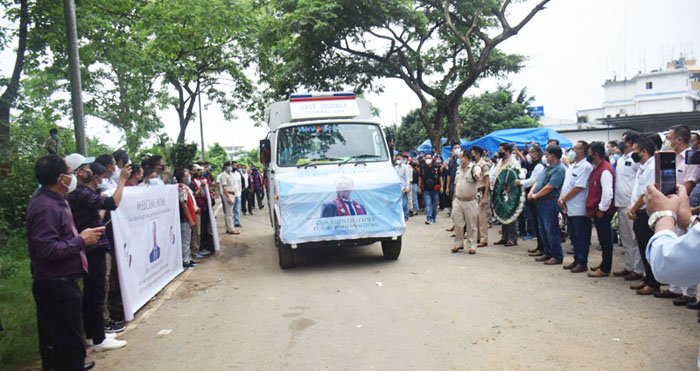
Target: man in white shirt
x: 678, y: 139
x: 404, y: 173
x: 643, y: 151
x: 225, y: 182
x: 237, y: 194
x: 625, y: 177
x: 573, y: 203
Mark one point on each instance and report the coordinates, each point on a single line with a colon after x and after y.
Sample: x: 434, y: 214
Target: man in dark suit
x: 343, y: 205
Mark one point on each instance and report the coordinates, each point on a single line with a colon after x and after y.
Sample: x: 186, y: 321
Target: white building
x: 673, y: 90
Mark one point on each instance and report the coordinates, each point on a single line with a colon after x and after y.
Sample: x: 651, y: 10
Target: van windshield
x: 330, y: 143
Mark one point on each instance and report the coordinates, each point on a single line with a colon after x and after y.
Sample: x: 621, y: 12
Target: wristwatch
x: 655, y: 216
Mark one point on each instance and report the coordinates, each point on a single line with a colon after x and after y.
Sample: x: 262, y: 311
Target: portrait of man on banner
x: 343, y: 204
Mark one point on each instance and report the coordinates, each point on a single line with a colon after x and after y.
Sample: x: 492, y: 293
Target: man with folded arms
x: 546, y: 192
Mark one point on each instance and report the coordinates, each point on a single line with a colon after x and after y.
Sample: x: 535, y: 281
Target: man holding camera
x: 678, y: 140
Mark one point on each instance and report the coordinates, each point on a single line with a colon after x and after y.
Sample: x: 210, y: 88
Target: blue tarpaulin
x: 520, y: 137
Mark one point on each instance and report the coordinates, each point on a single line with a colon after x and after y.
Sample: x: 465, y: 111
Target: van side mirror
x: 265, y: 153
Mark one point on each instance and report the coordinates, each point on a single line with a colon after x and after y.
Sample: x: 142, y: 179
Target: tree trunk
x: 454, y: 123
x: 10, y: 94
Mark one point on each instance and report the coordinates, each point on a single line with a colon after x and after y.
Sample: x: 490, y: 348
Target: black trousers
x: 603, y: 228
x: 115, y: 306
x: 531, y: 206
x: 58, y: 308
x: 248, y: 201
x: 509, y: 232
x: 206, y: 240
x: 644, y: 234
x: 94, y: 295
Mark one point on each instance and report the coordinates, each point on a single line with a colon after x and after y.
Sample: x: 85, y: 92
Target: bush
x: 19, y: 343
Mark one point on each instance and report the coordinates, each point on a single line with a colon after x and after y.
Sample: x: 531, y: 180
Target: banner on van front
x: 147, y: 242
x: 339, y: 203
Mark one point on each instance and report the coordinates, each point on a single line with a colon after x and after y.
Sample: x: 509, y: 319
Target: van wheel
x: 286, y: 255
x: 391, y: 249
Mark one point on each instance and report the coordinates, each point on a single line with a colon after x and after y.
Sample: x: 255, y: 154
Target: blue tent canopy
x: 520, y: 137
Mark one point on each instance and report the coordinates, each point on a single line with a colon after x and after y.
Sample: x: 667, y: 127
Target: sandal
x: 457, y: 249
x: 472, y: 251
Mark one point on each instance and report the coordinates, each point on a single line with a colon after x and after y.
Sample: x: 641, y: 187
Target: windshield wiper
x: 356, y: 157
x: 322, y: 160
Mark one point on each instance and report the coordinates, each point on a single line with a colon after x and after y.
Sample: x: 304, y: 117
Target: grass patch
x: 19, y: 340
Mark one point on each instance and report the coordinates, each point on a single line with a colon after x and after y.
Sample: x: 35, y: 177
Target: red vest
x: 595, y: 189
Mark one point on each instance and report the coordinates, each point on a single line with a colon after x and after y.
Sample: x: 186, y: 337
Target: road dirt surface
x: 349, y: 309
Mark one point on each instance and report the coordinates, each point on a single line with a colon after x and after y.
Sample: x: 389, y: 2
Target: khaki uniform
x: 483, y: 219
x: 464, y: 206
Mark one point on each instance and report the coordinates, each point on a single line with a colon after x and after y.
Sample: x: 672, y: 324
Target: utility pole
x: 201, y: 126
x: 75, y: 81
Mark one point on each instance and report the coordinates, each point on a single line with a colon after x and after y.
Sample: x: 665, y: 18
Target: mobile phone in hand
x: 665, y: 172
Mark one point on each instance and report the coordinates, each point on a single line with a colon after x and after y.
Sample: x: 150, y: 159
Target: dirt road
x: 348, y: 309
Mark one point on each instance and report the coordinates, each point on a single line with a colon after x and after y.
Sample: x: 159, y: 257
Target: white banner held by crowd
x: 148, y: 245
x: 212, y: 221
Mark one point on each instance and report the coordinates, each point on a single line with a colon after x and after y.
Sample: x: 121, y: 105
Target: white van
x: 330, y: 176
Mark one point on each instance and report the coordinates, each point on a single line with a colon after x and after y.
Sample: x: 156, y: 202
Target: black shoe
x: 89, y: 365
x: 500, y: 242
x: 570, y: 266
x: 114, y: 327
x: 694, y: 306
x: 262, y: 207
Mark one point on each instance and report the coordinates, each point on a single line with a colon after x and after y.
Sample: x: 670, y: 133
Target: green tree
x: 216, y: 155
x: 411, y: 133
x: 11, y: 86
x: 123, y: 77
x: 439, y: 49
x: 200, y: 48
x: 491, y: 111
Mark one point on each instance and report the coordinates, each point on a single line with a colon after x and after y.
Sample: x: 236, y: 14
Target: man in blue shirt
x: 545, y: 193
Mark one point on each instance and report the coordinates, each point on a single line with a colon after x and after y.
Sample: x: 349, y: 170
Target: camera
x: 692, y: 157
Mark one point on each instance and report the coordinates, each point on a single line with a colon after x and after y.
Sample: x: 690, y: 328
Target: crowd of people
x: 70, y: 238
x: 569, y: 192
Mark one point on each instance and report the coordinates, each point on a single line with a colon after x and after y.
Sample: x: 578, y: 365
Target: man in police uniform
x: 483, y: 187
x: 464, y: 206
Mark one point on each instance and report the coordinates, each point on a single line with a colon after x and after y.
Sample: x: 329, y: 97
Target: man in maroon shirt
x: 57, y: 254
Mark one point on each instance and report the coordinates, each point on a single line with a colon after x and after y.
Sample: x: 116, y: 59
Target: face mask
x: 667, y: 145
x: 455, y: 151
x: 428, y: 162
x: 397, y: 162
x: 54, y: 136
x: 571, y: 155
x: 459, y: 162
x: 615, y: 157
x: 156, y: 181
x: 73, y: 183
x: 635, y: 157
x: 189, y: 180
x: 544, y: 161
x: 229, y: 169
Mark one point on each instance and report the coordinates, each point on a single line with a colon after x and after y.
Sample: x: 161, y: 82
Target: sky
x: 572, y: 47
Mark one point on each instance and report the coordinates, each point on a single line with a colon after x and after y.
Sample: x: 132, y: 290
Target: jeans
x: 237, y: 211
x: 532, y: 209
x: 431, y: 204
x: 604, y: 230
x: 186, y: 236
x: 549, y: 227
x: 404, y: 202
x: 414, y: 195
x: 580, y: 234
x: 260, y: 194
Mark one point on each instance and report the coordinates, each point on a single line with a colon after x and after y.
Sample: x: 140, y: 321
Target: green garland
x: 507, y: 199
